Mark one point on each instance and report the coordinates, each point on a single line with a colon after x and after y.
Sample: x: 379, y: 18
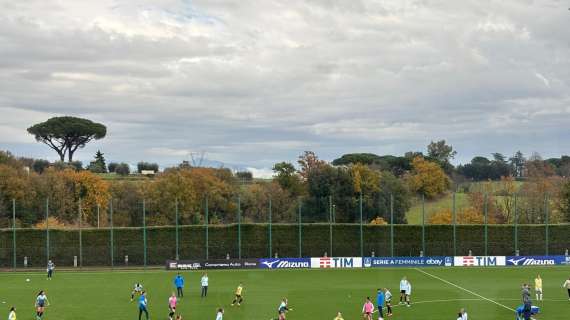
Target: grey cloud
x: 257, y: 82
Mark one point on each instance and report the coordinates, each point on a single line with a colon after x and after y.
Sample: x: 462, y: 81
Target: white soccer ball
x: 28, y: 280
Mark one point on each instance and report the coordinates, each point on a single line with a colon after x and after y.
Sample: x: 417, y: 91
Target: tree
x: 112, y: 166
x: 40, y: 165
x: 244, y: 176
x: 517, y: 162
x: 564, y: 203
x: 67, y: 134
x: 288, y: 178
x: 99, y: 165
x: 123, y: 169
x: 427, y: 178
x: 147, y: 166
x: 354, y: 158
x: 308, y: 162
x: 442, y: 153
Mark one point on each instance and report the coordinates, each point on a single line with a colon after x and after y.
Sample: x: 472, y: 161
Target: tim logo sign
x: 479, y: 261
x: 336, y: 262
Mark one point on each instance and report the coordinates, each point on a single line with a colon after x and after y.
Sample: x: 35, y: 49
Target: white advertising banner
x: 479, y: 261
x: 336, y: 262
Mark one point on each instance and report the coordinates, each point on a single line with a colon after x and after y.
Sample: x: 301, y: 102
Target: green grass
x: 314, y: 294
x: 414, y: 215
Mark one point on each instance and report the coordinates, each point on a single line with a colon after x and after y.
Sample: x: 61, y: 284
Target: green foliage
x: 481, y: 168
x: 442, y: 153
x: 564, y: 203
x: 67, y: 134
x: 123, y: 169
x: 244, y: 176
x: 99, y: 165
x: 147, y: 166
x: 397, y: 165
x: 287, y: 177
x: 40, y: 165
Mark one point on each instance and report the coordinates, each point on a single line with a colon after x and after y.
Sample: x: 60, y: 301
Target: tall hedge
x: 315, y: 241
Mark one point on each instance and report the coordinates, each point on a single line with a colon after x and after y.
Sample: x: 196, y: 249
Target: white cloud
x: 260, y: 81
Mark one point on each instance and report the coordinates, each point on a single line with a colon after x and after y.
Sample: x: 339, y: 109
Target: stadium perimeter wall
x: 95, y: 247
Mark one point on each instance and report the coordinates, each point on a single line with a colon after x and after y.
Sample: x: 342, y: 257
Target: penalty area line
x: 461, y: 288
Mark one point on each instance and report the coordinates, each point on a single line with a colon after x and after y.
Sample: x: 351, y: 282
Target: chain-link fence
x: 349, y: 226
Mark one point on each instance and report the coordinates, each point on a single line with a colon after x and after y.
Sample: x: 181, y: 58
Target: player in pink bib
x: 172, y: 306
x: 368, y: 309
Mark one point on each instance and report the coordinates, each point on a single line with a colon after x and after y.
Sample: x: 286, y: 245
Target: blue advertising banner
x: 285, y: 263
x: 522, y: 261
x: 375, y: 262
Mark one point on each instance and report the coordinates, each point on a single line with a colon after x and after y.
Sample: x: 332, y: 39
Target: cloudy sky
x: 253, y: 82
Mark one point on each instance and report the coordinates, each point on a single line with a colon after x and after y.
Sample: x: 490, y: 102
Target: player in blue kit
x: 521, y: 314
x: 143, y: 305
x: 380, y: 303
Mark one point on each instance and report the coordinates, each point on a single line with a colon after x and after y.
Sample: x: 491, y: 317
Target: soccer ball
x: 28, y: 280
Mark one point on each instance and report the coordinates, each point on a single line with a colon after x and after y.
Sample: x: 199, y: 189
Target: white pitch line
x: 466, y: 290
x: 437, y: 301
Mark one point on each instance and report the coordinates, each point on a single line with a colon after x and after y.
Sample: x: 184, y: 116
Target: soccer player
x: 338, y: 316
x: 172, y: 306
x: 388, y: 297
x: 220, y: 314
x: 179, y: 284
x: 521, y: 314
x: 143, y: 304
x: 138, y: 289
x: 408, y: 293
x: 379, y: 303
x: 238, y: 299
x: 50, y: 268
x: 204, y: 282
x: 12, y: 314
x: 403, y: 288
x: 282, y: 309
x: 538, y: 287
x: 367, y: 309
x: 463, y: 314
x: 41, y: 302
x: 459, y: 316
x: 566, y: 285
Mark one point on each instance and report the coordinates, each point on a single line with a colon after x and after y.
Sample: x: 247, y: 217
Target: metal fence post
x: 516, y: 221
x: 111, y: 233
x: 361, y: 229
x: 391, y: 225
x: 144, y: 233
x: 423, y: 225
x: 269, y: 227
x: 300, y: 221
x: 207, y: 223
x: 239, y: 227
x: 485, y: 206
x: 176, y: 228
x: 330, y: 227
x: 98, y: 209
x: 80, y: 236
x: 454, y: 212
x: 14, y: 233
x: 547, y: 218
x: 47, y: 230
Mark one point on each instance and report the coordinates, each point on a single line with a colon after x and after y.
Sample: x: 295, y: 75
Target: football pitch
x: 437, y: 293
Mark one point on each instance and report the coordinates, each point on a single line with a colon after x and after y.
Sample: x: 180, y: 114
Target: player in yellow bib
x: 538, y: 287
x: 338, y: 316
x: 12, y: 315
x: 238, y: 299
